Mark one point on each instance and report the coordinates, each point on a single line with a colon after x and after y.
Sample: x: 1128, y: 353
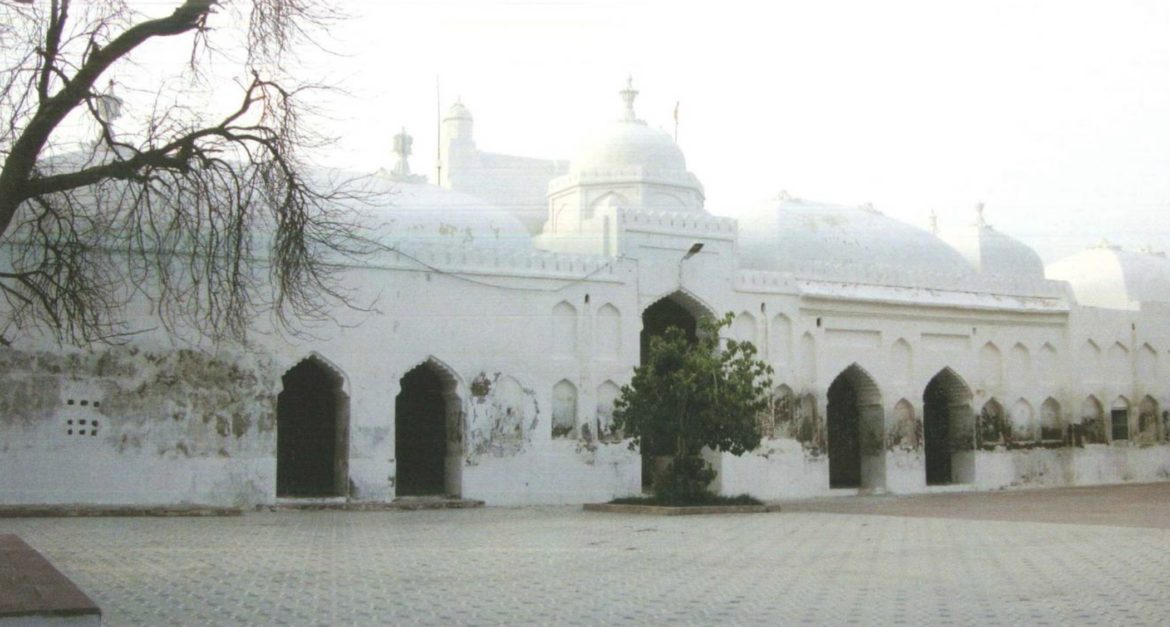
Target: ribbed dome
x: 1107, y: 276
x: 628, y: 144
x: 788, y: 234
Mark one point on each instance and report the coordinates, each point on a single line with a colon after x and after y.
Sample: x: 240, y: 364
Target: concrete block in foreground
x: 33, y: 592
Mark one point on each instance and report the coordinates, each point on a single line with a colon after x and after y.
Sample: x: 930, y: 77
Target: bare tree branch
x: 211, y: 220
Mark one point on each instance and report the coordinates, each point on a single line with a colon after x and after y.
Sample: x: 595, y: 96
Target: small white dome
x: 458, y: 111
x: 628, y: 144
x: 791, y: 235
x: 1107, y: 276
x: 992, y: 252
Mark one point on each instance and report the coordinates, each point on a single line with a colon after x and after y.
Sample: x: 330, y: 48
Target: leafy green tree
x: 689, y: 395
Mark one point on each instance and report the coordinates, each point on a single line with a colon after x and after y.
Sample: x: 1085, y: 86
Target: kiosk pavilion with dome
x: 517, y: 296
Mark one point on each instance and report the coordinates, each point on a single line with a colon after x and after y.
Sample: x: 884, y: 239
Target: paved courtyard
x: 818, y: 562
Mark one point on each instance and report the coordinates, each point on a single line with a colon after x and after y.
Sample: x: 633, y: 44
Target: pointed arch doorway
x: 856, y: 431
x: 675, y: 310
x: 948, y: 429
x: 312, y: 432
x: 427, y: 442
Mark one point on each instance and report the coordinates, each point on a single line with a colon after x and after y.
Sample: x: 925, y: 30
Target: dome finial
x: 628, y: 95
x: 933, y: 220
x: 979, y: 221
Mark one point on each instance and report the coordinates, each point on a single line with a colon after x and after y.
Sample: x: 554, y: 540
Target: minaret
x: 457, y: 144
x: 629, y: 94
x: 109, y: 109
x: 402, y: 149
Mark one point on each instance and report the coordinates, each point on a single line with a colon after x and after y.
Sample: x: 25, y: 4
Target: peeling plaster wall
x: 122, y: 425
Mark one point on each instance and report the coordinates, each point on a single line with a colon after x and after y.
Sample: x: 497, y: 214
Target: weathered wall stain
x: 503, y: 417
x: 793, y: 418
x: 180, y: 403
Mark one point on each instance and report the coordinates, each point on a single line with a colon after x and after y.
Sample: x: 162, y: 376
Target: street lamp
x: 694, y: 250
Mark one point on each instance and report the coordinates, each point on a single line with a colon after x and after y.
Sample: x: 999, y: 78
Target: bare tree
x: 210, y: 218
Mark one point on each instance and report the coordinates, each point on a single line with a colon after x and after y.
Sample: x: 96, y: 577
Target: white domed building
x: 516, y: 297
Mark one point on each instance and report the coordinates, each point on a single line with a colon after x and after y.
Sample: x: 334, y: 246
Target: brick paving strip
x: 100, y: 511
x: 664, y: 510
x: 1133, y: 505
x: 31, y: 589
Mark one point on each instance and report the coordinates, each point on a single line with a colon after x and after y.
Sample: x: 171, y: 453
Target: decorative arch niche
x: 1023, y: 428
x: 781, y: 336
x: 564, y: 317
x: 607, y: 394
x: 1019, y: 365
x: 743, y: 328
x: 991, y: 366
x: 993, y: 426
x: 609, y: 331
x: 1051, y: 422
x: 1093, y: 428
x: 1047, y: 364
x: 564, y: 410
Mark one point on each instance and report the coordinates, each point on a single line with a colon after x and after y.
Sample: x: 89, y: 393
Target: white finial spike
x: 933, y: 222
x: 628, y: 95
x: 979, y: 221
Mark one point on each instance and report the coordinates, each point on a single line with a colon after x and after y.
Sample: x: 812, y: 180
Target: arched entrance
x: 676, y: 310
x: 312, y: 416
x: 948, y: 429
x: 856, y: 431
x: 427, y: 433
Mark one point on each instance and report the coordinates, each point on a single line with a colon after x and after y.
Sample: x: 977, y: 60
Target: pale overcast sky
x: 1055, y: 114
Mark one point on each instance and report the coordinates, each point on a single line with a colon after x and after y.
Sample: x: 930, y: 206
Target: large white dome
x: 1107, y: 276
x: 427, y: 214
x: 795, y: 235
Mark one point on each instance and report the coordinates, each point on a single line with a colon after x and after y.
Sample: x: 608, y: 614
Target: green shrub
x: 690, y: 395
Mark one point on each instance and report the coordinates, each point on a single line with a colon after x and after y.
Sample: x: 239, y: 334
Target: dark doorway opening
x: 420, y: 427
x: 844, y: 431
x: 656, y: 320
x: 662, y: 315
x: 310, y: 434
x: 936, y: 431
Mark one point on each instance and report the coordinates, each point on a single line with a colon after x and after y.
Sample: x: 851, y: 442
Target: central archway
x: 427, y: 433
x: 676, y: 310
x: 948, y: 430
x: 856, y: 431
